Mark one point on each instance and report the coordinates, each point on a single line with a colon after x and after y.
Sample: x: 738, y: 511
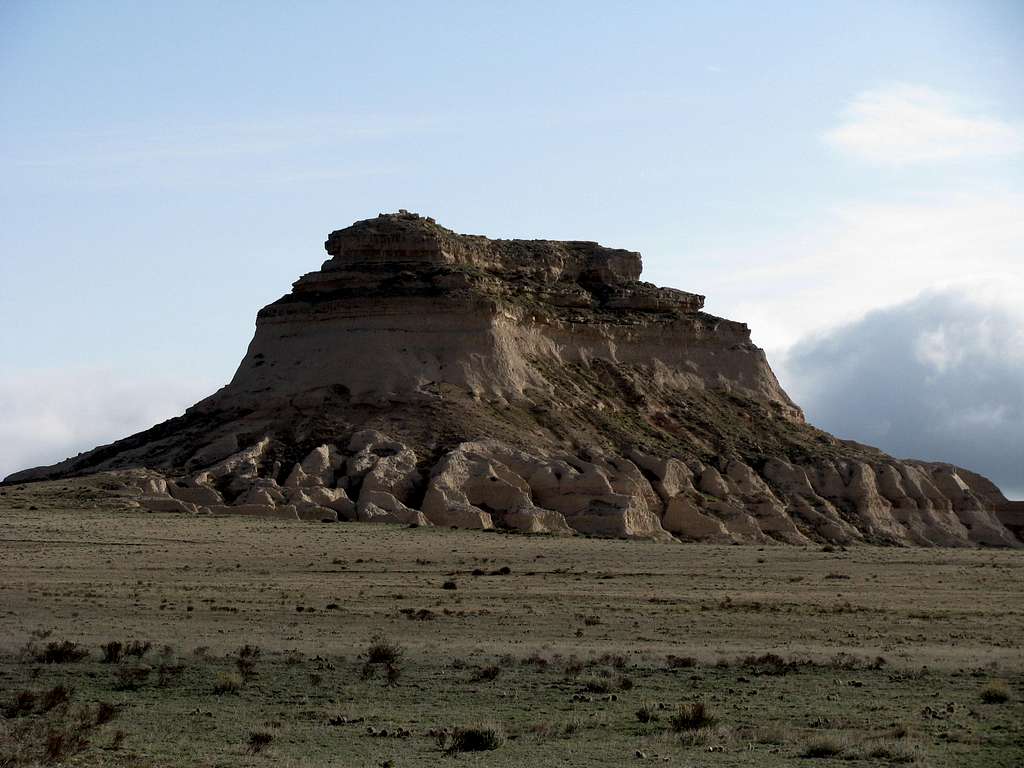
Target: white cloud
x: 867, y: 255
x: 49, y: 415
x: 908, y: 124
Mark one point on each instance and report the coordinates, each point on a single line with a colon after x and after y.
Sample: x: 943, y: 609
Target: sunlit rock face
x: 426, y: 377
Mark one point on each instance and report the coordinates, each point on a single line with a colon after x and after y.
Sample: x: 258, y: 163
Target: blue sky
x: 167, y: 169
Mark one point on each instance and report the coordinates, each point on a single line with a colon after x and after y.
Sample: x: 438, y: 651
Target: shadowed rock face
x: 422, y: 376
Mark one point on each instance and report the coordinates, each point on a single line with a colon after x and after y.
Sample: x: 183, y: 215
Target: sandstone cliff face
x: 421, y: 376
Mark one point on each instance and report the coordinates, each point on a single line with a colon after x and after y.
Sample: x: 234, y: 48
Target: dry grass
x: 801, y: 661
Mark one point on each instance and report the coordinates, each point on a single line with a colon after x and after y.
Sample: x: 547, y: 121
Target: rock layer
x: 430, y: 378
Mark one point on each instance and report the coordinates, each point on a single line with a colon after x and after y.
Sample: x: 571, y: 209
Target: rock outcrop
x: 430, y: 378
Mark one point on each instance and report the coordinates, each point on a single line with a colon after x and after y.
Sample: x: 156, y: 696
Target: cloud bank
x: 905, y: 124
x: 940, y: 377
x: 49, y: 415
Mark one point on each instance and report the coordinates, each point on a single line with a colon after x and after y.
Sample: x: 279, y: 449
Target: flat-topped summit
x: 412, y: 240
x: 425, y: 376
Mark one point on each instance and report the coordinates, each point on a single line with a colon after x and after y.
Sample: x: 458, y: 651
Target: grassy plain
x: 559, y: 651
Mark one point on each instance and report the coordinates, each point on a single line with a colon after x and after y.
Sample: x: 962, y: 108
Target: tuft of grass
x: 595, y: 684
x: 648, y: 713
x: 383, y: 654
x: 258, y: 741
x: 246, y: 658
x: 131, y: 677
x: 111, y: 652
x: 475, y: 738
x: 823, y: 747
x: 680, y: 662
x: 227, y: 682
x: 486, y: 674
x: 105, y: 712
x: 53, y: 698
x: 21, y: 704
x: 690, y: 717
x: 137, y: 649
x: 996, y: 692
x: 892, y: 752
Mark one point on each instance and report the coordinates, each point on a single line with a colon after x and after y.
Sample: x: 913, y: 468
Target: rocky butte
x: 423, y: 376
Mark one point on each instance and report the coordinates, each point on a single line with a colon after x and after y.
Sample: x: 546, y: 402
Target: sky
x: 845, y: 177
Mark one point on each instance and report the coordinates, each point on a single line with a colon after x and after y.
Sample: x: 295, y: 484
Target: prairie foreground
x: 544, y: 651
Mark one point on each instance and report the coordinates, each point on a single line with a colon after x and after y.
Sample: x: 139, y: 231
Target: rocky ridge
x: 426, y: 377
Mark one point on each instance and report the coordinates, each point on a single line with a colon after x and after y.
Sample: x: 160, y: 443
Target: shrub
x: 477, y: 738
x: 996, y: 692
x: 449, y: 585
x: 769, y: 664
x: 690, y: 717
x: 647, y: 713
x: 259, y: 740
x: 823, y: 746
x: 383, y: 653
x: 246, y: 659
x: 167, y: 671
x: 488, y: 673
x: 130, y: 677
x: 60, y: 653
x: 596, y: 685
x: 62, y: 744
x: 892, y: 752
x: 112, y: 652
x: 105, y: 712
x: 59, y: 694
x: 680, y: 662
x: 227, y: 682
x: 552, y: 730
x: 137, y: 649
x: 23, y: 703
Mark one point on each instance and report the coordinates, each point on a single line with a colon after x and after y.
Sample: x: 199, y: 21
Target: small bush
x: 690, y: 717
x: 59, y: 694
x: 823, y: 746
x: 647, y: 713
x: 167, y: 672
x: 137, y: 649
x: 227, y: 682
x: 21, y: 704
x: 246, y: 658
x: 449, y: 585
x: 65, y: 652
x: 892, y: 752
x: 477, y: 738
x: 488, y: 673
x: 105, y: 712
x: 547, y: 731
x: 259, y: 740
x: 383, y: 653
x: 62, y: 744
x: 996, y: 692
x: 680, y: 662
x: 596, y: 685
x: 769, y: 664
x: 111, y: 652
x: 130, y: 677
